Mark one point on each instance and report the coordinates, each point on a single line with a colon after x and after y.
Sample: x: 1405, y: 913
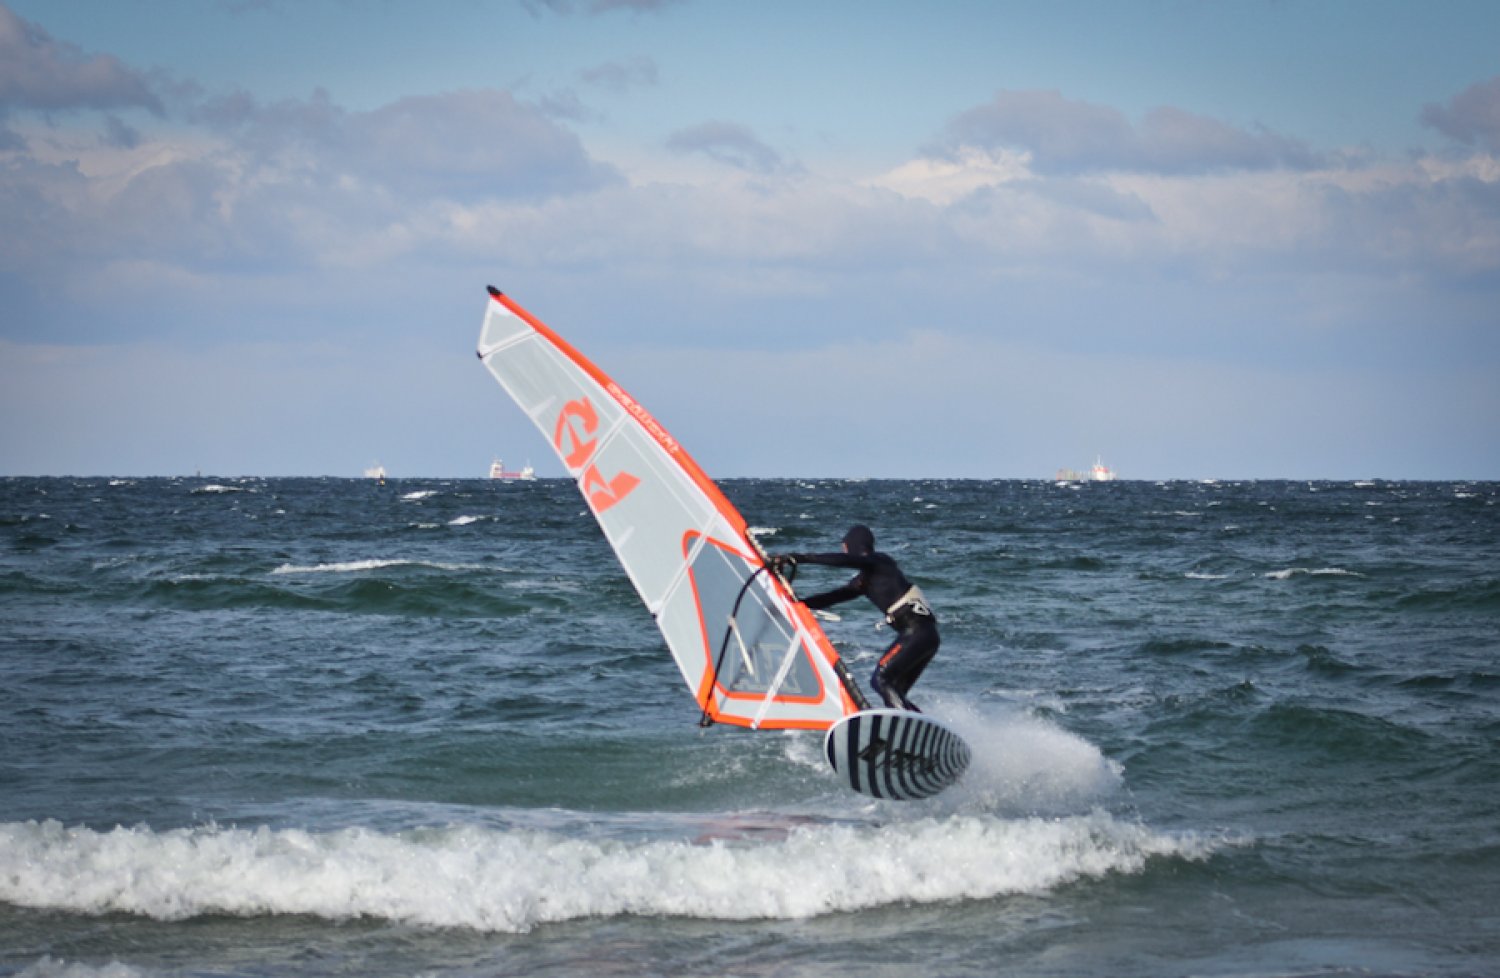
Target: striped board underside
x: 896, y: 754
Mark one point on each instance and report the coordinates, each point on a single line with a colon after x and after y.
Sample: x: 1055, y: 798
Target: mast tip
x: 495, y: 292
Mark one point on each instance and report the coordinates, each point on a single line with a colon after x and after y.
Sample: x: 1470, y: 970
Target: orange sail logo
x: 575, y: 442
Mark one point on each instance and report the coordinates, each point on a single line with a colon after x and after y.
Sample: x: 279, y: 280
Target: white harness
x: 913, y: 600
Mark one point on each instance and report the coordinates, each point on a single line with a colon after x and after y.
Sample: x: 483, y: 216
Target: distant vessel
x: 498, y: 471
x: 376, y: 471
x: 1099, y: 473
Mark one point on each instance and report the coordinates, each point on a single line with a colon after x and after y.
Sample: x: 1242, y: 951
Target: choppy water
x: 308, y: 727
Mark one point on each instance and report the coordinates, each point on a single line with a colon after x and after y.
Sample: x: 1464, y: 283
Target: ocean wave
x: 511, y: 880
x: 1339, y: 736
x: 432, y: 590
x: 50, y: 967
x: 360, y: 566
x: 1479, y: 594
x: 1291, y: 572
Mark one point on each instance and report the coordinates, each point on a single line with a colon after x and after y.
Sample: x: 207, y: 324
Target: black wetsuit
x: 881, y: 580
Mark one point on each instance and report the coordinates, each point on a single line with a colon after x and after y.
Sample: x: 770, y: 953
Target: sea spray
x: 1024, y: 763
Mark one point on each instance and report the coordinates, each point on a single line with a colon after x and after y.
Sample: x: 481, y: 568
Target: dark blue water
x: 309, y: 727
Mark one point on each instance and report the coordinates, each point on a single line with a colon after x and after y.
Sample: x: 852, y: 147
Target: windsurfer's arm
x: 848, y: 592
x: 854, y: 589
x: 853, y: 561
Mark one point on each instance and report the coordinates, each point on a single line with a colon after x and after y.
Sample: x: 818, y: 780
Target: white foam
x: 464, y: 520
x: 49, y: 967
x: 359, y: 566
x: 420, y: 494
x: 1290, y: 572
x: 510, y: 880
x: 1200, y: 576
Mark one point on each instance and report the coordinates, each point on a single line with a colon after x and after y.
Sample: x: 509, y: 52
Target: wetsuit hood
x: 859, y: 540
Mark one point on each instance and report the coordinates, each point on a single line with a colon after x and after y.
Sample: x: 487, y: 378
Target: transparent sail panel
x: 754, y: 637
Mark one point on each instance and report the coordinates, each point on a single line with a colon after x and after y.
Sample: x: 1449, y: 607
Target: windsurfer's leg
x: 903, y: 663
x: 881, y: 682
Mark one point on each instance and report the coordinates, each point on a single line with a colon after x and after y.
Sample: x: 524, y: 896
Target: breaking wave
x: 1291, y: 572
x: 359, y: 566
x: 510, y: 880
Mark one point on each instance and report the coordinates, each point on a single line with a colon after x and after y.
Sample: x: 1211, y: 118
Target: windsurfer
x: 880, y: 580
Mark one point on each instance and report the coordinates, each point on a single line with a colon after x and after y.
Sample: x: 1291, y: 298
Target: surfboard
x: 751, y: 654
x: 896, y: 754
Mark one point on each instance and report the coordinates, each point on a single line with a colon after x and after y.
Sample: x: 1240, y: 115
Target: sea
x: 298, y: 727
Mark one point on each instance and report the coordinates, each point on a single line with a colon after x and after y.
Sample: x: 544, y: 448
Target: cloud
x: 728, y: 143
x: 300, y: 192
x: 464, y: 145
x: 1471, y: 117
x: 620, y: 76
x: 1060, y: 222
x: 639, y: 6
x: 118, y: 134
x: 1067, y: 136
x: 565, y: 104
x: 596, y: 7
x: 40, y: 73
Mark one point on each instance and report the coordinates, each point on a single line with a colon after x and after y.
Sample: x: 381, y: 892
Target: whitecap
x: 513, y: 879
x: 359, y: 566
x: 50, y: 967
x: 1290, y: 572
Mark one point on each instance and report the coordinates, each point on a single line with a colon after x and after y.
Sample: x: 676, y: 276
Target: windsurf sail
x: 749, y: 652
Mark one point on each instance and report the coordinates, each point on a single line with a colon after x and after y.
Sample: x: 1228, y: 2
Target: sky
x: 1233, y: 239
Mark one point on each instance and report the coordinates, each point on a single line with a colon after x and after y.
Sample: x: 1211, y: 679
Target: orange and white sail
x: 749, y: 652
